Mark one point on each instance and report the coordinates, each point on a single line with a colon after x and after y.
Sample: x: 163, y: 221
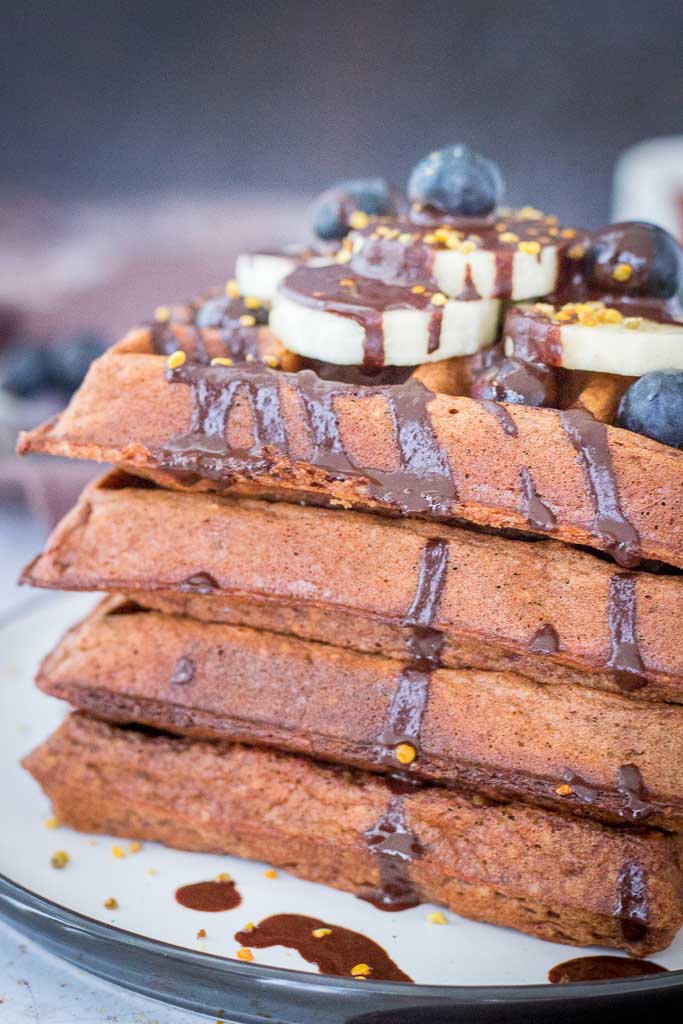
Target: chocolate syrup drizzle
x: 391, y: 840
x: 536, y: 512
x: 635, y: 806
x: 183, y: 673
x: 422, y: 482
x: 589, y: 438
x: 633, y: 906
x: 335, y: 953
x: 601, y: 968
x: 209, y: 897
x: 545, y: 640
x: 625, y: 658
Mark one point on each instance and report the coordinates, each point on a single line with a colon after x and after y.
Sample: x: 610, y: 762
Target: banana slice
x: 591, y: 336
x: 456, y: 329
x: 260, y: 273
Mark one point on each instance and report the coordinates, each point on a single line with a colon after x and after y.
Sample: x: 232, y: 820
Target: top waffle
x: 396, y: 376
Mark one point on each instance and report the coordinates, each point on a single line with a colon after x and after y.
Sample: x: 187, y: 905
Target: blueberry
x: 637, y: 258
x: 331, y: 210
x: 653, y: 406
x: 25, y: 370
x: 69, y: 359
x: 456, y: 181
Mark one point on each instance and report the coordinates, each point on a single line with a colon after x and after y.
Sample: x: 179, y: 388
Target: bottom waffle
x: 559, y: 878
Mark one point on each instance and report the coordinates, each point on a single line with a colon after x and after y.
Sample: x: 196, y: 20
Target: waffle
x: 557, y: 614
x: 400, y: 448
x: 560, y: 878
x: 494, y: 732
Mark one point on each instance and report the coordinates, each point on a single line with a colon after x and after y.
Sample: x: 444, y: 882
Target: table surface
x: 36, y: 987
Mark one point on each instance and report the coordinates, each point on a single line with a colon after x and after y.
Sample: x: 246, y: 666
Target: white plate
x: 459, y: 953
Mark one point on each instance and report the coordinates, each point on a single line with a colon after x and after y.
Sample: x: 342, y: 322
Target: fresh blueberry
x: 456, y: 181
x: 653, y: 406
x: 25, y: 370
x: 637, y: 258
x: 331, y: 210
x: 69, y: 359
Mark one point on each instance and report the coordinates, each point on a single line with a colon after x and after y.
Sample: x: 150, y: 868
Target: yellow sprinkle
x: 111, y: 903
x: 224, y: 877
x: 50, y: 823
x: 252, y: 302
x: 382, y: 231
x: 150, y: 872
x: 245, y: 954
x: 418, y: 289
x: 361, y: 970
x: 576, y: 252
x: 454, y: 241
x: 162, y: 314
x: 568, y: 233
x: 359, y: 220
x: 249, y: 926
x: 529, y: 213
x: 343, y: 256
x: 346, y: 282
x: 221, y: 361
x: 92, y: 842
x: 441, y: 234
x: 609, y: 316
x: 438, y: 299
x: 135, y: 846
x: 632, y: 323
x: 588, y: 318
x: 429, y: 239
x: 564, y: 316
x: 250, y: 357
x: 320, y: 933
x: 564, y: 789
x: 393, y: 233
x: 531, y: 247
x: 232, y: 289
x: 272, y: 361
x: 176, y: 359
x: 405, y: 753
x: 437, y: 917
x: 118, y: 852
x: 247, y: 320
x: 60, y: 859
x: 270, y: 873
x: 509, y: 236
x: 406, y: 238
x: 622, y: 272
x: 468, y: 246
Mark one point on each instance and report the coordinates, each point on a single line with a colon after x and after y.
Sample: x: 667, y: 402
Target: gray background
x: 127, y: 96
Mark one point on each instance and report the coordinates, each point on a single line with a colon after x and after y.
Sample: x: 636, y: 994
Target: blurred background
x: 145, y: 144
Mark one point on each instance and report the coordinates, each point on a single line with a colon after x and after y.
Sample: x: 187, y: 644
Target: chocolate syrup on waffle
x: 625, y: 658
x: 410, y: 698
x: 501, y: 414
x: 334, y: 950
x: 183, y: 673
x: 209, y: 897
x: 589, y: 438
x: 632, y: 906
x: 422, y: 482
x: 601, y: 968
x: 545, y: 640
x: 536, y: 512
x: 632, y: 788
x: 391, y: 840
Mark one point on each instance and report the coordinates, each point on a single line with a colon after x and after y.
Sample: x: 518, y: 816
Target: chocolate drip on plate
x: 545, y: 640
x: 336, y: 952
x: 209, y: 897
x: 601, y: 968
x: 536, y: 512
x: 632, y: 904
x: 625, y: 657
x: 589, y: 438
x: 422, y: 482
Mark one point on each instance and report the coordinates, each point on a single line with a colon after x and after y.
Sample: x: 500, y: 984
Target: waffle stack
x: 391, y: 600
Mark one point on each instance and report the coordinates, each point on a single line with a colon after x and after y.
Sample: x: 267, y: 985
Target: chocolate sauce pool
x: 336, y: 953
x: 209, y: 897
x: 601, y: 968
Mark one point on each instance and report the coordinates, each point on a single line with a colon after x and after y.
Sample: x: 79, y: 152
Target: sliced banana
x: 597, y: 339
x: 465, y: 328
x: 259, y: 273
